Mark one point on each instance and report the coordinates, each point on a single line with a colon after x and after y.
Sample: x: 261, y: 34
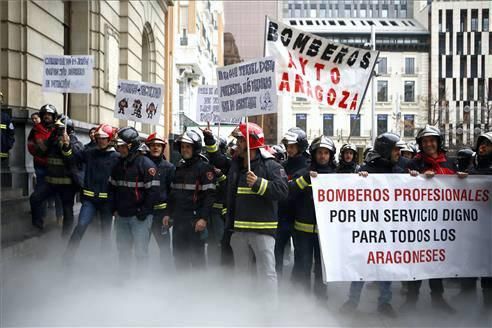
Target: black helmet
x: 190, y: 137
x: 65, y: 120
x: 323, y: 142
x: 48, y: 109
x: 280, y: 152
x: 128, y: 135
x: 346, y: 147
x: 385, y: 143
x: 430, y: 131
x: 296, y: 136
x: 463, y: 159
x: 483, y: 137
x: 222, y: 144
x: 367, y: 150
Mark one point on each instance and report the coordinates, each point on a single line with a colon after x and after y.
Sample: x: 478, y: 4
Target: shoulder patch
x: 283, y: 174
x: 210, y: 176
x: 152, y: 171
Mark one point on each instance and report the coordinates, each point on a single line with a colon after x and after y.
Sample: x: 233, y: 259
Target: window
x: 328, y: 125
x: 462, y: 83
x: 442, y: 43
x: 363, y: 10
x: 347, y: 10
x: 439, y: 29
x: 384, y: 11
x: 470, y: 90
x: 409, y: 91
x: 473, y: 66
x: 463, y: 20
x: 478, y: 43
x: 449, y: 66
x: 485, y: 20
x: 463, y: 66
x: 459, y: 43
x: 301, y: 121
x: 313, y: 12
x: 382, y: 123
x: 297, y: 10
x: 383, y: 66
x: 481, y: 89
x: 474, y: 20
x: 408, y: 125
x: 449, y: 21
x: 450, y: 51
x: 409, y: 66
x: 354, y: 125
x: 322, y: 10
x: 382, y: 91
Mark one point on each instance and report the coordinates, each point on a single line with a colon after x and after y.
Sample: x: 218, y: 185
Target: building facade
x: 198, y: 51
x: 461, y: 74
x: 128, y: 39
x: 348, y: 8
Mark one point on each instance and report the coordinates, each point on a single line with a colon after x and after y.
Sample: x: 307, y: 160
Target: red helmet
x: 104, y: 131
x: 155, y: 138
x: 256, y: 136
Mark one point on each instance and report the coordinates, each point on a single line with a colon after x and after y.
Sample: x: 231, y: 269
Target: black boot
x: 440, y: 304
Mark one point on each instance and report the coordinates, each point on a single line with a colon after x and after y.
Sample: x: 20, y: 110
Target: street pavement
x: 38, y: 289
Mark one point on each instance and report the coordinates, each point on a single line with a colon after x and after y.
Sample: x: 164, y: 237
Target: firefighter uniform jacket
x: 98, y: 167
x: 165, y: 174
x: 294, y: 167
x: 254, y: 209
x: 223, y: 163
x: 7, y: 135
x: 60, y: 170
x: 302, y: 194
x: 135, y: 185
x: 192, y: 191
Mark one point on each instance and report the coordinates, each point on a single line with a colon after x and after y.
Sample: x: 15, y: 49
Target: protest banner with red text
x: 399, y: 227
x: 333, y: 75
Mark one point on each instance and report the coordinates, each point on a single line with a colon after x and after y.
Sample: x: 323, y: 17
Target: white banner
x: 68, y: 74
x: 207, y: 106
x: 247, y: 88
x: 331, y: 74
x: 398, y: 227
x: 138, y: 101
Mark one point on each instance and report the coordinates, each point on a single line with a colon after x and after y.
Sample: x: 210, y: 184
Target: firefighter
x: 322, y: 151
x: 216, y: 150
x: 483, y: 165
x: 464, y: 159
x: 190, y: 202
x: 62, y: 176
x: 430, y: 161
x: 94, y: 194
x: 348, y: 159
x: 251, y: 203
x: 7, y: 133
x: 296, y: 144
x: 135, y: 187
x: 383, y: 158
x: 165, y: 172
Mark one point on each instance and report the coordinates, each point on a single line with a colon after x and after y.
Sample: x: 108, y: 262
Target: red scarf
x: 435, y: 164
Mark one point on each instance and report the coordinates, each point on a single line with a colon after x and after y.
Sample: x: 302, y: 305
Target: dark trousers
x: 435, y: 285
x: 162, y: 237
x: 88, y: 211
x: 282, y: 239
x: 44, y: 192
x: 307, y: 247
x: 215, y: 228
x: 188, y: 246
